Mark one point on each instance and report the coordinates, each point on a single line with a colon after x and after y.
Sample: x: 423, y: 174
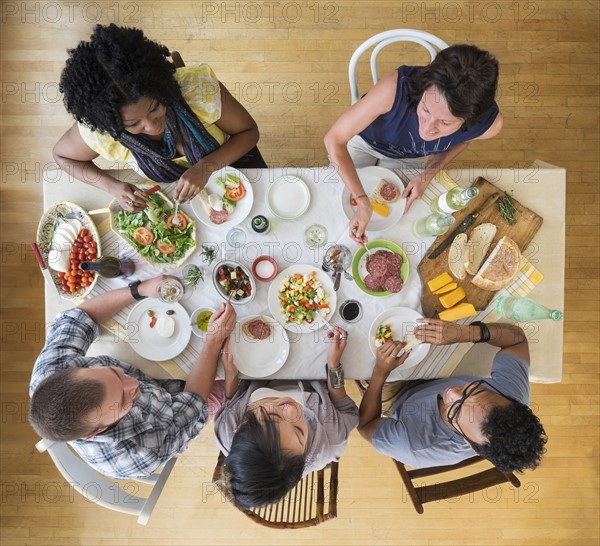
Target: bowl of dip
x: 199, y: 320
x: 264, y: 268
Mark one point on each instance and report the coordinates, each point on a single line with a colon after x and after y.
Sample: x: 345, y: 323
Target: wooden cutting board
x: 522, y: 232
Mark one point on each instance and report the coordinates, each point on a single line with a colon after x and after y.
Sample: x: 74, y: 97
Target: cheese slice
x: 452, y: 298
x: 439, y: 281
x: 462, y: 310
x: 380, y: 208
x: 447, y: 288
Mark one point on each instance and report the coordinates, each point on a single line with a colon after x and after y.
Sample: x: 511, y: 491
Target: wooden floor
x: 287, y: 62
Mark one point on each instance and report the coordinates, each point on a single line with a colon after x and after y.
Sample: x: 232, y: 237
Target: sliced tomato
x: 182, y: 221
x: 165, y: 248
x: 153, y: 322
x: 143, y: 236
x: 235, y: 194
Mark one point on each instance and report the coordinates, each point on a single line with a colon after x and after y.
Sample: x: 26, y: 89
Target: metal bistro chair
x: 444, y: 490
x: 311, y: 502
x: 96, y: 488
x: 383, y: 39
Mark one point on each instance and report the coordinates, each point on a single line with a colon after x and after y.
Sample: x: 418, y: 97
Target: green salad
x: 154, y: 237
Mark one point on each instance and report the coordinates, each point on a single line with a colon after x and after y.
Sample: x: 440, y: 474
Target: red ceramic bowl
x: 261, y: 264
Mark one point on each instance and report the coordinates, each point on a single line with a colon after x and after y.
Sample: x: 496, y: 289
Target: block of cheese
x: 452, y: 298
x: 447, y: 288
x: 380, y: 208
x: 462, y: 310
x: 439, y: 281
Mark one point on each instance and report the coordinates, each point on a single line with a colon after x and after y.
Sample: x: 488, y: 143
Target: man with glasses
x: 445, y: 421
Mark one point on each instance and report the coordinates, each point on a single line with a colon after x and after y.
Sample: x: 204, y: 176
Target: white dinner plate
x: 402, y: 321
x: 146, y: 341
x: 273, y: 297
x: 259, y: 357
x: 242, y: 208
x: 370, y: 177
x: 288, y: 197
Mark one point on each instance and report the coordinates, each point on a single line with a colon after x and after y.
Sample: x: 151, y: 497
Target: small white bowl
x: 194, y: 317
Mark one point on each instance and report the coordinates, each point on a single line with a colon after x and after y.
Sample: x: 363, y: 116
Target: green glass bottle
x: 455, y: 199
x: 525, y: 310
x: 433, y: 225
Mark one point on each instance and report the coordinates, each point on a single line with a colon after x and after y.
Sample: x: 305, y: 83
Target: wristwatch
x: 336, y: 376
x: 485, y: 331
x: 133, y: 288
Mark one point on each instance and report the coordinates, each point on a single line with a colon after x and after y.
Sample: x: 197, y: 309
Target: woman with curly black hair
x: 131, y: 104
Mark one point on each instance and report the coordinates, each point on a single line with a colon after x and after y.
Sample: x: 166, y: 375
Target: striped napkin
x: 443, y: 360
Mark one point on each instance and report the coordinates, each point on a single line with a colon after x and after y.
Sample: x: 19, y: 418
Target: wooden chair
x: 383, y: 39
x: 311, y: 502
x: 103, y: 491
x: 419, y: 495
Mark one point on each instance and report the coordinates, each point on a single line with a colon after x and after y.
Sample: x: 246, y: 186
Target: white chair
x: 96, y: 488
x: 383, y: 39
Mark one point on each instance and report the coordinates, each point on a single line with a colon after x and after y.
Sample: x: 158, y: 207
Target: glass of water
x: 236, y: 237
x: 171, y: 291
x: 315, y: 236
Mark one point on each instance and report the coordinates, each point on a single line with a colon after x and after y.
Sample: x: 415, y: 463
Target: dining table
x: 540, y: 186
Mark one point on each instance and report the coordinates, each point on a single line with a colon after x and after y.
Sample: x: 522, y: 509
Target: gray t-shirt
x: 329, y: 422
x: 416, y: 434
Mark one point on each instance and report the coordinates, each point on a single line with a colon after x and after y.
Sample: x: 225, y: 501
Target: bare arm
x: 243, y: 134
x: 510, y: 338
x: 203, y: 373
x: 359, y: 116
x: 370, y: 407
x: 101, y: 308
x: 75, y: 157
x: 337, y: 344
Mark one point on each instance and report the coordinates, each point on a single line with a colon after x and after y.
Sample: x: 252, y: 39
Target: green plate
x: 359, y: 270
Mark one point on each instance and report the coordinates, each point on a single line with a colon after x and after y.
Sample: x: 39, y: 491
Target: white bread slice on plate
x: 376, y: 193
x: 501, y: 268
x: 456, y: 256
x: 478, y: 245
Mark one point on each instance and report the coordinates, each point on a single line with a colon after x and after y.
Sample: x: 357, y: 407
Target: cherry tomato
x: 87, y: 239
x: 83, y: 232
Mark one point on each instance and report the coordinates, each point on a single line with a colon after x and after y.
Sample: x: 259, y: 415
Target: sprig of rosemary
x: 193, y: 276
x: 507, y: 209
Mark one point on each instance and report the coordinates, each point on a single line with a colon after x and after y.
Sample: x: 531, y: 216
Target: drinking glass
x: 171, y: 291
x: 315, y: 236
x: 236, y: 237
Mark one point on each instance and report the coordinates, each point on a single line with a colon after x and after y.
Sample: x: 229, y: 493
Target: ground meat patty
x: 218, y: 216
x: 257, y: 329
x: 374, y: 283
x: 389, y: 191
x: 377, y: 265
x: 392, y: 284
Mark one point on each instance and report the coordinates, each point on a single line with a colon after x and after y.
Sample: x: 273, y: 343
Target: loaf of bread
x: 501, y: 268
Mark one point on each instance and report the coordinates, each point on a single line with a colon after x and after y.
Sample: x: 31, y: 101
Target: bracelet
x: 361, y: 195
x: 336, y: 376
x: 485, y: 331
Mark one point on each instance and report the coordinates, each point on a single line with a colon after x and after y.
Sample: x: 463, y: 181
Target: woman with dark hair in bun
x: 131, y: 104
x: 416, y: 112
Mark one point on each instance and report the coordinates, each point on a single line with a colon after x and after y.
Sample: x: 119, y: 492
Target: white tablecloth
x: 285, y: 242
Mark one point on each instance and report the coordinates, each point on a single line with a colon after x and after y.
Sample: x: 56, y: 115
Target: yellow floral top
x: 200, y: 89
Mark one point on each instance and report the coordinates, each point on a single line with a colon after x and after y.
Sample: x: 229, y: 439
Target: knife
x: 45, y: 272
x: 463, y: 226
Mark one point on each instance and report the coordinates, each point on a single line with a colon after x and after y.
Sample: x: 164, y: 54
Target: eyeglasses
x: 456, y: 407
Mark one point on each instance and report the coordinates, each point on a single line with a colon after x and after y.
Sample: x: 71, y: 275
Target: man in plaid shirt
x: 122, y: 422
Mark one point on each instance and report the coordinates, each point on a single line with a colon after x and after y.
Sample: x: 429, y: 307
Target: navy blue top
x: 395, y: 134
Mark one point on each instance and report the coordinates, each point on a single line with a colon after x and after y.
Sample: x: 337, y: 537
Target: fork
x: 326, y: 323
x: 175, y: 220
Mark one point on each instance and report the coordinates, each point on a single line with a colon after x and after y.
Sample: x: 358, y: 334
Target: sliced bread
x: 385, y: 192
x: 477, y: 246
x: 501, y: 268
x: 456, y: 256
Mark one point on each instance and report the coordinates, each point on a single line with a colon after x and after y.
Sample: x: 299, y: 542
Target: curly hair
x: 465, y: 75
x: 516, y: 438
x: 257, y: 472
x: 117, y: 67
x: 63, y: 405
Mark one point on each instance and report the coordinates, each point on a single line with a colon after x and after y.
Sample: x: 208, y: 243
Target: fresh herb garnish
x: 209, y: 253
x: 507, y: 209
x: 192, y: 276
